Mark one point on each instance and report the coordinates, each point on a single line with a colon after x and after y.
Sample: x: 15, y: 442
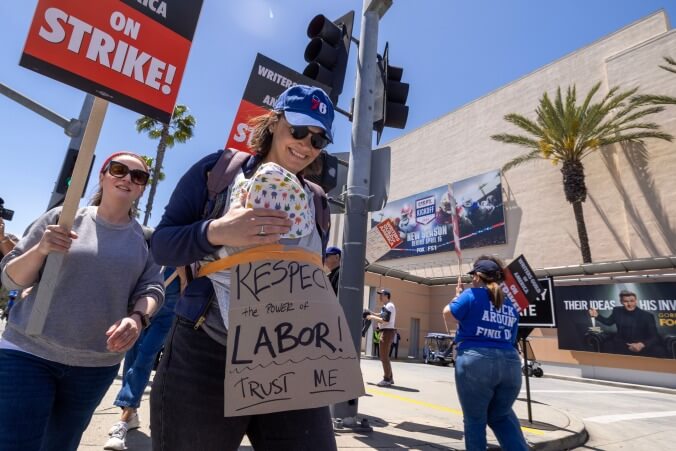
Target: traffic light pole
x: 351, y: 284
x: 75, y: 143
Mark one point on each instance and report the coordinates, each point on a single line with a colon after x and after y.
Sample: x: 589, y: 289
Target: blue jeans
x: 488, y: 380
x: 187, y: 399
x: 46, y: 405
x: 139, y: 360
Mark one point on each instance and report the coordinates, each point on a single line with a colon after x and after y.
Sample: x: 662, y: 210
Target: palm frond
x: 651, y: 99
x: 517, y: 139
x: 534, y: 155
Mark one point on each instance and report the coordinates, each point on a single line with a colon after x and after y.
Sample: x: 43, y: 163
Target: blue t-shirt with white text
x: 481, y: 325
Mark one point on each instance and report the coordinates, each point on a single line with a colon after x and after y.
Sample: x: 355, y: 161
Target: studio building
x: 630, y: 212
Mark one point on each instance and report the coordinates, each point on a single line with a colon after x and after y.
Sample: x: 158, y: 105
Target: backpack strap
x: 223, y: 173
x: 322, y: 212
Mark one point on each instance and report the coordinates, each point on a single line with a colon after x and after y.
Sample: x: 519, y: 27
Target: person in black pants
x: 394, y: 347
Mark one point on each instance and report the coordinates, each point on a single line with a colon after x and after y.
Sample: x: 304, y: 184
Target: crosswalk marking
x: 605, y: 419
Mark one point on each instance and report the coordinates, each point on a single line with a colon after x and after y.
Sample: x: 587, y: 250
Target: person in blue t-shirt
x: 488, y: 366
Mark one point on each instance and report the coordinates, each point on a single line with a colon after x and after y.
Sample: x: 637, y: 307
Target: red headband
x: 117, y: 154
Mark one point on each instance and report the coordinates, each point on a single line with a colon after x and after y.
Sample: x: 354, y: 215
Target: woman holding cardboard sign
x: 108, y: 284
x: 187, y: 400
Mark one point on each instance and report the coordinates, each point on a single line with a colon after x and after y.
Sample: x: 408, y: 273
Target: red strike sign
x: 109, y: 49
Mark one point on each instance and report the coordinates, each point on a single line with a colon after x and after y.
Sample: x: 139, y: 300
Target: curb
x: 669, y: 391
x: 577, y: 436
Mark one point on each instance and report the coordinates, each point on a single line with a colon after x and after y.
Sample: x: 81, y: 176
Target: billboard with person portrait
x: 637, y: 319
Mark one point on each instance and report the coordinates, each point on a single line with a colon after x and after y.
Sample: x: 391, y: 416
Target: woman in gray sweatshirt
x: 107, y: 287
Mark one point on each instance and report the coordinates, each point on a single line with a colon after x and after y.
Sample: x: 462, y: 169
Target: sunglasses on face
x: 119, y: 170
x: 318, y: 140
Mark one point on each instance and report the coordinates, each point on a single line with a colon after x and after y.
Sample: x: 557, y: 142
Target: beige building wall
x: 631, y: 208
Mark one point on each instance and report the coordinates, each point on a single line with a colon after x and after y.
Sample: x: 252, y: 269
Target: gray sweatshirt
x: 107, y: 268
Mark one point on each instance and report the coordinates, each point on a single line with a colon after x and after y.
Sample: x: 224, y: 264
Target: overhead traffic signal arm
x: 328, y: 51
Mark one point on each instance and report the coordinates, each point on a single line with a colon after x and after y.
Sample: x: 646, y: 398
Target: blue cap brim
x: 301, y: 119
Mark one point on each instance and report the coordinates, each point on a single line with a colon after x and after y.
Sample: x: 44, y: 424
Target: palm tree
x: 179, y: 129
x: 566, y: 132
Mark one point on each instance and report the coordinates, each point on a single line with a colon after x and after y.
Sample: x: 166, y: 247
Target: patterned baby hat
x: 274, y: 187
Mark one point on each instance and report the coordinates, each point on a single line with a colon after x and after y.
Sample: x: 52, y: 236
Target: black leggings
x: 186, y: 405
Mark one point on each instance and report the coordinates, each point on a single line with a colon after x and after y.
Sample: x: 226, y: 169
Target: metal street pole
x: 75, y: 143
x: 351, y: 284
x: 71, y: 127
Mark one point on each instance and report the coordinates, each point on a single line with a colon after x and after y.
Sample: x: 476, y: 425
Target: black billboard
x: 637, y: 319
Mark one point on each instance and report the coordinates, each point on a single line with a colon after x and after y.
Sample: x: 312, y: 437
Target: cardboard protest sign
x: 289, y: 345
x: 268, y: 80
x: 381, y: 239
x: 128, y: 52
x: 520, y: 284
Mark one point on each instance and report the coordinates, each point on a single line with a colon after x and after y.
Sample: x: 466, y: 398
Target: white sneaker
x: 118, y: 437
x: 133, y: 423
x: 384, y: 383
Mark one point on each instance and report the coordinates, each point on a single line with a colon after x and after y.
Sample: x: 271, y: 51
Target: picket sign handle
x: 43, y: 298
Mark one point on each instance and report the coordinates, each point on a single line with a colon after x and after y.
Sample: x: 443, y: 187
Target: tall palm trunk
x: 575, y: 190
x: 157, y: 170
x: 582, y: 232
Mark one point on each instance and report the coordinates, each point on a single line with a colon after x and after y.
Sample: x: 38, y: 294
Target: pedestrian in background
x: 7, y: 242
x: 385, y: 321
x: 107, y: 286
x: 394, y: 348
x: 488, y: 366
x: 139, y: 361
x: 333, y: 256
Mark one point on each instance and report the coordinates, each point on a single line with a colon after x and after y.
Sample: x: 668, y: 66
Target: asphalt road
x: 616, y: 418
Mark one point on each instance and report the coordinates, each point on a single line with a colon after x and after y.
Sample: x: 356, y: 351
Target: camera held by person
x: 5, y: 213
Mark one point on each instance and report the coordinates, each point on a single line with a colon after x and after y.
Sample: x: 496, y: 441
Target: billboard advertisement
x: 127, y: 52
x: 421, y: 223
x: 425, y: 221
x: 637, y: 319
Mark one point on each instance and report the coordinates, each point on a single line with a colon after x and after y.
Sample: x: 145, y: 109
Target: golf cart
x: 439, y: 348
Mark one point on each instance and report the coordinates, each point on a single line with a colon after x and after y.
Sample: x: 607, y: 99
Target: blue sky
x: 452, y: 52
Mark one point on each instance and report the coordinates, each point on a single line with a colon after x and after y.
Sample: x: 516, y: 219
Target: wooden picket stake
x: 43, y: 298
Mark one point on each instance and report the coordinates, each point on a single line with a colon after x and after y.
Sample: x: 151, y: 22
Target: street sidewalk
x: 421, y: 412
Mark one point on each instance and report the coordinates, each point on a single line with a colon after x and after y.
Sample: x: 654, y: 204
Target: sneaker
x: 133, y: 423
x: 118, y: 437
x: 384, y: 383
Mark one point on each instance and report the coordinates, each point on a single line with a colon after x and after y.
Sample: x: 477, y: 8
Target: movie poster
x: 636, y: 319
x: 425, y: 221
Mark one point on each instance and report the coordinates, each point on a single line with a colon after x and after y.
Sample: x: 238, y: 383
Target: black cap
x: 485, y: 267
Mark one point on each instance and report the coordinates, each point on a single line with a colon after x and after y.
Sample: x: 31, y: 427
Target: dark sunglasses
x: 318, y: 140
x: 119, y: 170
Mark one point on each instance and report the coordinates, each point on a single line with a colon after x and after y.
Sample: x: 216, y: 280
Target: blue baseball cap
x: 485, y: 267
x: 333, y: 250
x: 307, y: 106
x: 384, y: 291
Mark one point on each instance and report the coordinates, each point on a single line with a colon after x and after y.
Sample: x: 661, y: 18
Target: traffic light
x: 63, y: 181
x: 328, y: 50
x: 390, y: 107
